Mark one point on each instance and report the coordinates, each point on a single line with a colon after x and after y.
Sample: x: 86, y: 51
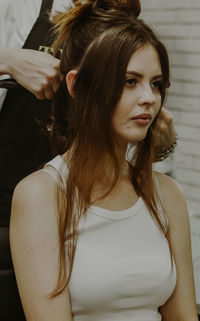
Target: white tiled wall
x: 178, y: 24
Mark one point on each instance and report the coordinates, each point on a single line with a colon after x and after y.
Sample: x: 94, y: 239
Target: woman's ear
x: 70, y: 80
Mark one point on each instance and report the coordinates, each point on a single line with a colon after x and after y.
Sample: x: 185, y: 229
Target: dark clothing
x: 20, y: 139
x: 22, y: 150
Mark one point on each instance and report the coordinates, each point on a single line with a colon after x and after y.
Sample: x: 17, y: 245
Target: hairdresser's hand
x: 164, y: 133
x: 37, y: 71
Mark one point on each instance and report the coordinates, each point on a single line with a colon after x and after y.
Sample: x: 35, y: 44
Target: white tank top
x: 122, y: 267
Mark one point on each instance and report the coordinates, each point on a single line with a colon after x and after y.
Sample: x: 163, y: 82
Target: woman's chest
x: 118, y: 262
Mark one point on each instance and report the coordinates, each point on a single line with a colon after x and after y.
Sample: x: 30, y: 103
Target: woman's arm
x: 181, y: 306
x: 34, y: 248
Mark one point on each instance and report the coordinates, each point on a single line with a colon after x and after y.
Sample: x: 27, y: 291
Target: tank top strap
x: 157, y: 186
x: 160, y: 200
x: 57, y: 169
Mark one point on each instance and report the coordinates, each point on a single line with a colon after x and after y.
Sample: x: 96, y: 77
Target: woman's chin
x: 131, y: 138
x: 137, y: 138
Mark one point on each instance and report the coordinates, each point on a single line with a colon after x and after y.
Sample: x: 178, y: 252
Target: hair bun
x: 127, y: 5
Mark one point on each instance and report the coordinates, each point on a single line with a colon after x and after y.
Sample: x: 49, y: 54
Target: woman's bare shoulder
x: 182, y: 301
x: 35, y: 246
x: 168, y: 184
x: 173, y: 196
x: 34, y: 193
x: 37, y: 184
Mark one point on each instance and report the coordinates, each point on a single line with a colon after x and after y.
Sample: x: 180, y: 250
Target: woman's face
x: 141, y: 100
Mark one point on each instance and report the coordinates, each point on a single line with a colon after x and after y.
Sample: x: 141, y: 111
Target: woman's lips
x: 142, y: 119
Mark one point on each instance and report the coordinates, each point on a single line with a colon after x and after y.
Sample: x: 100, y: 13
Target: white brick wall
x: 178, y: 24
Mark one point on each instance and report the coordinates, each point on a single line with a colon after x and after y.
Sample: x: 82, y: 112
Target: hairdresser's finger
x: 166, y: 115
x: 39, y: 94
x: 61, y: 78
x: 48, y: 92
x: 55, y: 85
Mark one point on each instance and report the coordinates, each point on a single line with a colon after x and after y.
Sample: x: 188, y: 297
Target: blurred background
x: 178, y: 24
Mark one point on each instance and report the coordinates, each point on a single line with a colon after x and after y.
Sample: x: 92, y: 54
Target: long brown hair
x: 98, y: 39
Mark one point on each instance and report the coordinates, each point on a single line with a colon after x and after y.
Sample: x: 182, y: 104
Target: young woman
x: 94, y: 236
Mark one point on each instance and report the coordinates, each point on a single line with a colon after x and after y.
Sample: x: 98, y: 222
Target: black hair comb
x: 9, y: 83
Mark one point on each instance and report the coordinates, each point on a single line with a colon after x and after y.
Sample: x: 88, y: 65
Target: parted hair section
x: 97, y: 40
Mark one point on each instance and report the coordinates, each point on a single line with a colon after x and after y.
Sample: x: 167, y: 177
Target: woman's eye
x: 158, y: 84
x: 130, y: 82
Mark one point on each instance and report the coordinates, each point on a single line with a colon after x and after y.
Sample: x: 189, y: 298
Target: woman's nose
x: 147, y: 95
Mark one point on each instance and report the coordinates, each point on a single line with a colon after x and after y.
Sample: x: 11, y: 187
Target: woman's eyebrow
x: 139, y: 75
x: 160, y: 77
x: 134, y: 73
